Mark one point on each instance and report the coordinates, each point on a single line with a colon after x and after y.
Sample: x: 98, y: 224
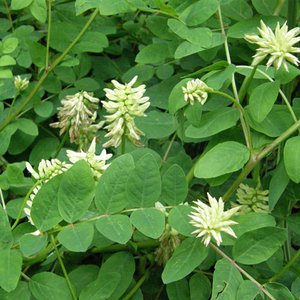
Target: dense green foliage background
x: 109, y: 237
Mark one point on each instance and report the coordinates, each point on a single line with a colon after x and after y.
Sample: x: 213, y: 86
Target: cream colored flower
x: 20, y: 84
x: 47, y: 169
x: 250, y: 199
x: 195, y: 90
x: 211, y: 220
x: 125, y: 103
x: 78, y: 115
x: 279, y: 45
x: 96, y: 162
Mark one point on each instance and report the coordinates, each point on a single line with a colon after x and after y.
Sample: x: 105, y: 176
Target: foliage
x: 210, y: 121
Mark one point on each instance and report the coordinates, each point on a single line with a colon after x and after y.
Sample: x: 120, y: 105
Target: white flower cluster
x: 96, y: 162
x: 47, y: 169
x: 125, y: 103
x: 195, y: 90
x: 279, y: 45
x: 20, y: 84
x: 211, y: 220
x: 78, y: 116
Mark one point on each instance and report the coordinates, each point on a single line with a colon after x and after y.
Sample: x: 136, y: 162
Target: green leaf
x: 291, y: 157
x: 237, y: 10
x: 226, y: 281
x: 82, y: 6
x: 5, y: 136
x: 186, y: 257
x: 116, y: 228
x: 10, y: 269
x: 111, y: 189
x: 174, y: 185
x: 77, y: 238
x: 178, y: 290
x: 76, y: 191
x: 247, y: 290
x: 200, y: 287
x: 213, y: 122
x: 193, y: 113
x: 7, y: 60
x: 264, y: 7
x: 27, y: 126
x: 91, y: 42
x: 38, y: 9
x: 153, y: 54
x: 6, y: 238
x: 278, y: 184
x: 9, y: 45
x: 157, y: 124
x: 44, y: 211
x: 149, y: 221
x: 113, y: 7
x: 176, y: 98
x: 279, y: 291
x: 224, y: 158
x: 144, y: 183
x: 46, y: 285
x: 21, y: 292
x: 262, y: 100
x: 31, y: 244
x: 258, y: 245
x: 199, y: 12
x: 20, y: 4
x: 179, y: 220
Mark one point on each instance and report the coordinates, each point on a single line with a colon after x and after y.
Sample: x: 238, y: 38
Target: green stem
x: 245, y: 85
x: 48, y: 32
x: 47, y: 71
x: 123, y: 144
x: 169, y: 148
x: 61, y: 144
x: 12, y: 104
x: 9, y: 15
x: 280, y: 91
x: 63, y: 268
x: 254, y: 159
x: 242, y: 271
x: 278, y: 8
x: 243, y: 117
x: 23, y: 205
x: 137, y: 286
x: 286, y: 267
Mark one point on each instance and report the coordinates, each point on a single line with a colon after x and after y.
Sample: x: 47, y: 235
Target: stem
x: 25, y: 276
x: 137, y: 286
x: 169, y: 148
x: 61, y: 144
x: 254, y: 159
x: 48, y: 33
x: 9, y: 15
x: 23, y: 205
x: 246, y: 83
x: 278, y: 8
x: 2, y: 201
x: 286, y: 267
x: 280, y: 91
x: 243, y: 117
x: 123, y: 144
x: 47, y: 71
x: 12, y: 104
x: 242, y: 271
x: 63, y: 268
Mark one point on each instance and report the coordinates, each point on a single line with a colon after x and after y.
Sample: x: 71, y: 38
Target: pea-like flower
x: 195, y: 90
x: 96, y: 162
x: 279, y: 45
x: 211, y: 220
x: 47, y: 169
x: 20, y: 84
x: 252, y: 199
x: 78, y: 116
x: 125, y: 103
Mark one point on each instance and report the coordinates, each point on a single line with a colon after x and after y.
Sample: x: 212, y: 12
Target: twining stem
x: 9, y: 15
x: 254, y: 159
x: 137, y: 286
x: 48, y: 32
x: 234, y: 88
x: 243, y: 116
x: 169, y: 148
x: 23, y: 205
x: 286, y: 267
x: 242, y: 271
x: 47, y: 71
x: 63, y: 268
x: 286, y: 101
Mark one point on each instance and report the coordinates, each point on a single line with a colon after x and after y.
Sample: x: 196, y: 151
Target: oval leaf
x: 291, y: 156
